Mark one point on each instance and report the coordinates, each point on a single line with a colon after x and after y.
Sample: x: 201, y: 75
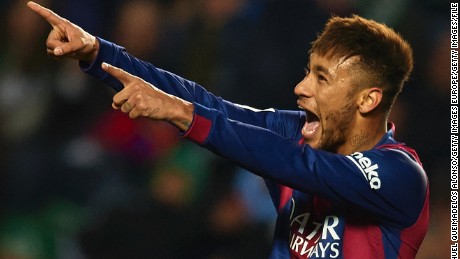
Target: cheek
x: 328, y: 96
x: 329, y: 106
x: 337, y: 115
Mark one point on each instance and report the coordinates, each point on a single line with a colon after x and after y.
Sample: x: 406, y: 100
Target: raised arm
x: 67, y: 39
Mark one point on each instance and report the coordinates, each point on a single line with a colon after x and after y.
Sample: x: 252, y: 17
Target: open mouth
x: 311, y: 125
x: 311, y: 117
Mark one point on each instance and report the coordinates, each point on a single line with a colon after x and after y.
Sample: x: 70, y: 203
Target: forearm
x: 182, y: 116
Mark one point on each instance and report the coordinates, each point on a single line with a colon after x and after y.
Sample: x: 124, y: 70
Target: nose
x: 303, y: 88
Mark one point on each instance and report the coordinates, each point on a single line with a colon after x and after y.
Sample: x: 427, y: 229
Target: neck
x: 364, y: 136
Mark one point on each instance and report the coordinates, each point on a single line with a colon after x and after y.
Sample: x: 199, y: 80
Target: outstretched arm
x: 337, y: 177
x: 67, y: 39
x: 139, y: 98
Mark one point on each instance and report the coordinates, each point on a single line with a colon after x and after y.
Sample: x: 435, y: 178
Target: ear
x: 369, y: 99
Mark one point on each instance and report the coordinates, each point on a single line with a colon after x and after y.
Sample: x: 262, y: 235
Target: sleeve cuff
x: 107, y: 53
x: 201, y: 126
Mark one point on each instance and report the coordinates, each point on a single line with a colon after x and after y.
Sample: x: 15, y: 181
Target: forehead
x: 333, y: 65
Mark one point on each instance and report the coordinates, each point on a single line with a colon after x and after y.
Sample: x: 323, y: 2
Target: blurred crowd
x: 80, y: 180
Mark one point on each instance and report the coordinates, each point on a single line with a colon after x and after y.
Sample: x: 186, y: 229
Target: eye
x: 322, y: 78
x: 307, y: 71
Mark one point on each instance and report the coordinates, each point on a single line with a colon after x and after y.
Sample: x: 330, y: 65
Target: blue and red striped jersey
x: 369, y: 204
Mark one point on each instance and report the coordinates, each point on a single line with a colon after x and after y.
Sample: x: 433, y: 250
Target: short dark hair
x: 384, y: 55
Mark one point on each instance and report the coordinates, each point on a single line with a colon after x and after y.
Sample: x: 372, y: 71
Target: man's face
x: 328, y: 96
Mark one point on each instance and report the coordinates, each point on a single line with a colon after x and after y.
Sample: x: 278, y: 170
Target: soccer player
x: 343, y: 187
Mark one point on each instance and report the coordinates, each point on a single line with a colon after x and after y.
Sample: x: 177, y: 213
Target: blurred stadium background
x: 79, y: 180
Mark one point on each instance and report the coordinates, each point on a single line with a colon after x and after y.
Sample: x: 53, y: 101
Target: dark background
x: 79, y: 180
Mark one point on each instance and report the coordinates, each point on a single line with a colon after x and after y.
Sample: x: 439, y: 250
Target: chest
x: 315, y: 227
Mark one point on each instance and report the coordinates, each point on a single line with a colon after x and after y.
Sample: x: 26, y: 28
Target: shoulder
x: 393, y: 161
x: 395, y: 173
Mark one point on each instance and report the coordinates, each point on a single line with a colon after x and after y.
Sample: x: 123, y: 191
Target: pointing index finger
x: 123, y: 76
x: 50, y: 16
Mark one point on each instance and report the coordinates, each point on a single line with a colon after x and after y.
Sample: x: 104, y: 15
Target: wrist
x: 92, y: 50
x: 183, y: 116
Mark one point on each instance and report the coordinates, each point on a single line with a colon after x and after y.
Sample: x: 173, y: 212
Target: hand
x: 141, y: 99
x: 67, y: 39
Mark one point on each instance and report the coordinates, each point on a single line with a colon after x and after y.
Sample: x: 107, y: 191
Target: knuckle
x: 141, y: 106
x: 139, y: 97
x: 136, y: 87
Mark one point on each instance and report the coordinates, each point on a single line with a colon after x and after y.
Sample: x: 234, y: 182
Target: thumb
x: 122, y: 76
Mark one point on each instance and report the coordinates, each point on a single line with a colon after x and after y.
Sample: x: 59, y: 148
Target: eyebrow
x: 322, y: 69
